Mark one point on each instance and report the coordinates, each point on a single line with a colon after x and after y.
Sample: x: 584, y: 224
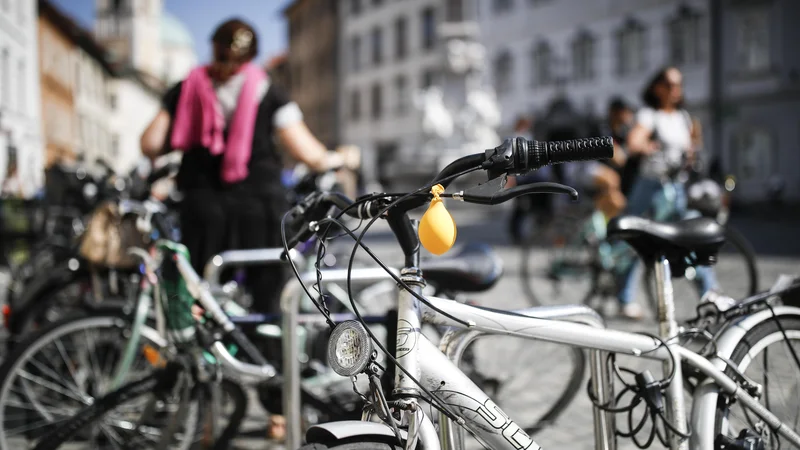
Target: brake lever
x: 492, y: 192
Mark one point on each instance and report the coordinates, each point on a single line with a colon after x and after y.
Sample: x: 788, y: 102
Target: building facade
x: 76, y: 94
x: 59, y: 120
x: 388, y: 52
x: 136, y: 98
x: 277, y: 68
x: 21, y: 143
x: 312, y: 64
x: 142, y: 35
x: 740, y: 70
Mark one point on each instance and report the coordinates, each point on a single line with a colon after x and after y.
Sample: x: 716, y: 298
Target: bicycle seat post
x: 668, y: 330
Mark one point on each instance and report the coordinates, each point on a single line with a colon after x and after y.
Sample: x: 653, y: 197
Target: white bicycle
x: 732, y: 407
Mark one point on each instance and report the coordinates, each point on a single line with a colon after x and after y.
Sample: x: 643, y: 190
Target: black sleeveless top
x: 202, y: 170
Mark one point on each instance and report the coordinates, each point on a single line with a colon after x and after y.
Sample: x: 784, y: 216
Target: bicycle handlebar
x: 513, y: 156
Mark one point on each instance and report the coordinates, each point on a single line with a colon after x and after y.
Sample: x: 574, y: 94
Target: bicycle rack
x: 291, y: 296
x: 455, y: 342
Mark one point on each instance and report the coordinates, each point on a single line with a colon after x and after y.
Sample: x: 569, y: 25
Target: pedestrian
x: 665, y: 139
x: 226, y: 117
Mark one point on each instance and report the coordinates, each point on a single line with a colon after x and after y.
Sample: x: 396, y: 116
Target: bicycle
x: 583, y: 257
x: 429, y: 374
x: 459, y: 274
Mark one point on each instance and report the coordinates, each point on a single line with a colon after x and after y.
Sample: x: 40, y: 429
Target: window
x: 377, y: 101
x: 542, y: 62
x: 401, y: 90
x: 114, y: 145
x: 355, y: 7
x: 355, y: 53
x: 630, y: 48
x: 377, y: 46
x: 401, y: 38
x: 752, y: 39
x: 22, y: 88
x: 355, y: 105
x: 502, y: 6
x: 501, y: 68
x: 455, y: 10
x: 5, y: 79
x: 685, y: 41
x: 583, y: 57
x: 428, y: 28
x: 428, y: 78
x: 755, y: 154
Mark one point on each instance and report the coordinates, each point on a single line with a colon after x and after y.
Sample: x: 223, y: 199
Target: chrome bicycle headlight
x: 349, y: 348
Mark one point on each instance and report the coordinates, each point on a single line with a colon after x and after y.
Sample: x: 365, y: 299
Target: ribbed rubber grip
x: 543, y: 153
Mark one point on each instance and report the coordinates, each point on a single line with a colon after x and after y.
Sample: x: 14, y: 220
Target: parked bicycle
x: 581, y: 261
x: 474, y: 269
x: 742, y: 335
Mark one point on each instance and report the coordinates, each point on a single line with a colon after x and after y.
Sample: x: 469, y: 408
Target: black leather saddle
x: 474, y: 268
x: 684, y: 243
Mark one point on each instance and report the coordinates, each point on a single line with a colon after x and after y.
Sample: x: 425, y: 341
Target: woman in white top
x: 664, y: 136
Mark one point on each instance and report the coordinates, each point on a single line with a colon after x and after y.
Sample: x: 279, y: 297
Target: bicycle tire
x: 739, y: 243
x: 760, y: 335
x: 571, y: 228
x: 109, y: 402
x: 237, y: 394
x: 34, y: 343
x: 571, y: 390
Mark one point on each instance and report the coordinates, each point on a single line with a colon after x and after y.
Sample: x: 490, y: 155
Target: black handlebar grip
x: 542, y: 153
x: 369, y: 209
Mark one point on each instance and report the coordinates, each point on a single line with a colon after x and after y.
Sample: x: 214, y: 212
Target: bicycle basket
x: 108, y: 238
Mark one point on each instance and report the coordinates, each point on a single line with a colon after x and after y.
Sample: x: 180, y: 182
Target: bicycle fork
x: 668, y: 331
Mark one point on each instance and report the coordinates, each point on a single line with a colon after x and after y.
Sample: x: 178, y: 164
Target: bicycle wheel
x: 113, y: 417
x: 764, y: 356
x: 564, y: 269
x: 736, y: 265
x: 62, y: 369
x: 535, y: 363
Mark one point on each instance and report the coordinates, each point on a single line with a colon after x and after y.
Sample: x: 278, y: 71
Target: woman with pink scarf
x: 226, y: 118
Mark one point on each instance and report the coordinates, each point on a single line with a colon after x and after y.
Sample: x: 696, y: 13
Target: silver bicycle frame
x: 495, y: 429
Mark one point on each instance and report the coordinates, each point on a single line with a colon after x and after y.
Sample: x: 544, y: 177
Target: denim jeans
x: 660, y: 201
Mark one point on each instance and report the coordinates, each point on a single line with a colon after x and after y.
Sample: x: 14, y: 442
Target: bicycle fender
x: 333, y: 432
x: 706, y: 394
x: 736, y: 331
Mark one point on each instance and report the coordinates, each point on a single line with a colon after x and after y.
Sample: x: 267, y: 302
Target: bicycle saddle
x: 473, y: 268
x: 687, y: 242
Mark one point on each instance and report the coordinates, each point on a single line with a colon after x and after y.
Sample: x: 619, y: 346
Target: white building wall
x: 178, y: 61
x: 20, y: 99
x: 91, y: 94
x: 392, y: 128
x: 558, y: 22
x: 135, y: 108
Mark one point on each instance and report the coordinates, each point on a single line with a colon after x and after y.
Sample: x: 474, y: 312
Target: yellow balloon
x: 437, y: 229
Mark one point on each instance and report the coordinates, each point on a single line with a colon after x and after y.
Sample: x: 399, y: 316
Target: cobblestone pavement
x: 538, y: 370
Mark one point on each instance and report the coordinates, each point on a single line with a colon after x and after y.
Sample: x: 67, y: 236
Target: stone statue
x: 437, y: 121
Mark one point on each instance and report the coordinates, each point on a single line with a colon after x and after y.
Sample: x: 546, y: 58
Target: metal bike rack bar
x: 455, y: 342
x: 217, y: 263
x: 291, y: 296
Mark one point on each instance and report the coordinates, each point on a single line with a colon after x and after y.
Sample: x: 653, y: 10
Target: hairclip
x: 242, y: 39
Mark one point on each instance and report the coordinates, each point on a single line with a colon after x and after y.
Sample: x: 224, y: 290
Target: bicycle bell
x: 349, y: 348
